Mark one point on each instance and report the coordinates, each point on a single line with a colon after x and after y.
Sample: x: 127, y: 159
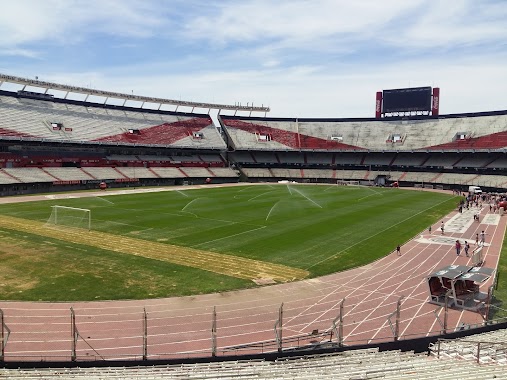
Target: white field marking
x: 406, y: 296
x: 140, y: 231
x: 497, y: 226
x: 449, y: 250
x: 272, y: 208
x: 331, y: 187
x: 227, y: 237
x: 257, y: 196
x: 300, y: 193
x: 331, y: 292
x: 431, y: 332
x: 120, y: 223
x: 398, y: 269
x: 371, y: 195
x: 289, y: 190
x: 249, y: 187
x: 103, y: 199
x: 186, y: 216
x: 382, y: 297
x: 435, y: 321
x: 496, y: 264
x: 370, y: 236
x: 182, y: 193
x: 375, y: 191
x: 429, y: 271
x: 246, y: 188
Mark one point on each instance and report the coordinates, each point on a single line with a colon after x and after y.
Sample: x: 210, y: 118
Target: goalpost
x: 71, y: 217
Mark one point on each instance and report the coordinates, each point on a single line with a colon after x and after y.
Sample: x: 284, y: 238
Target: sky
x: 302, y: 58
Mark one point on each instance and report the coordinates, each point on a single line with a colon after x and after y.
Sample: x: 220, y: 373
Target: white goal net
x: 70, y: 217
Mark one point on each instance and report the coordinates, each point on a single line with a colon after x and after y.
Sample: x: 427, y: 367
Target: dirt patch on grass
x: 13, y: 279
x: 214, y: 262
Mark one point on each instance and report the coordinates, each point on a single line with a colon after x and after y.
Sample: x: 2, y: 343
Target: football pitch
x: 203, y: 240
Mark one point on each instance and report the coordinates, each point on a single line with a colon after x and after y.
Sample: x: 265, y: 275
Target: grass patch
x: 319, y: 229
x: 499, y: 302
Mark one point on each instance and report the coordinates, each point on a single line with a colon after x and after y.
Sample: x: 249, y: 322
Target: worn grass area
x: 204, y: 240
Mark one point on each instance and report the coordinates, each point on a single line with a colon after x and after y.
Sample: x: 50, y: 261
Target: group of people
x: 470, y: 200
x: 458, y: 248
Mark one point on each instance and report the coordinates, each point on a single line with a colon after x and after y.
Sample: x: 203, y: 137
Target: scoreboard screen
x: 406, y: 100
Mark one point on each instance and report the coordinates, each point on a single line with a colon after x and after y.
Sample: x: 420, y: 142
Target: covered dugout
x: 458, y: 285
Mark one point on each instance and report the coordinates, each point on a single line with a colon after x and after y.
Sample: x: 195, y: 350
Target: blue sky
x: 315, y: 58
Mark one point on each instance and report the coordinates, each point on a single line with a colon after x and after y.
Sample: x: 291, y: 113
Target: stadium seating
x: 351, y: 364
x: 196, y: 172
x: 318, y: 173
x: 322, y: 158
x: 500, y: 163
x: 37, y: 121
x: 6, y: 178
x: 30, y: 175
x: 133, y: 172
x: 450, y: 133
x: 257, y: 173
x: 485, y: 348
x: 103, y: 173
x: 409, y: 159
x: 68, y: 174
x: 241, y: 157
x: 224, y: 172
x: 168, y: 172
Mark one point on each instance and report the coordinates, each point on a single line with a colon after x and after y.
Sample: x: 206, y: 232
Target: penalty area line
x: 230, y: 236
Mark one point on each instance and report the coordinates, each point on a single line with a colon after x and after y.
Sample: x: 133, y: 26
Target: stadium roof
x: 47, y: 86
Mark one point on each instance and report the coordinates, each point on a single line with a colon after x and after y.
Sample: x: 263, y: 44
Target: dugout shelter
x: 459, y: 286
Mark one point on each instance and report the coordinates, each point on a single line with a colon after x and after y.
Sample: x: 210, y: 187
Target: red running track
x: 181, y: 327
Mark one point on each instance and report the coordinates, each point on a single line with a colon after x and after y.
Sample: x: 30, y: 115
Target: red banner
x: 435, y: 101
x: 378, y: 105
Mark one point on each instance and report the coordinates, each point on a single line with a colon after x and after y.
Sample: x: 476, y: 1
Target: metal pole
x: 398, y: 312
x: 446, y: 309
x: 280, y: 319
x: 145, y: 335
x: 73, y: 332
x: 340, y: 324
x: 488, y: 304
x: 214, y: 332
x: 2, y: 335
x: 339, y: 330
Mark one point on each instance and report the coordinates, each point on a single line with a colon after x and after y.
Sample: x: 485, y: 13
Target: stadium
x: 152, y: 240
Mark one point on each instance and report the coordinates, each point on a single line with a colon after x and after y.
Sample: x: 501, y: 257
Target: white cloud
x: 296, y: 20
x: 451, y: 23
x: 62, y: 22
x: 303, y: 58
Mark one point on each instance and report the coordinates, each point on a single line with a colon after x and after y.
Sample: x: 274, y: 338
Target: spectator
x: 467, y: 247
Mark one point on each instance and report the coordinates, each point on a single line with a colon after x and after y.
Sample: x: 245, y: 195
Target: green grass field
x: 204, y: 240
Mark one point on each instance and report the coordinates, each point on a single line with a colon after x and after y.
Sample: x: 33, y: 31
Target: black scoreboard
x: 406, y: 100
